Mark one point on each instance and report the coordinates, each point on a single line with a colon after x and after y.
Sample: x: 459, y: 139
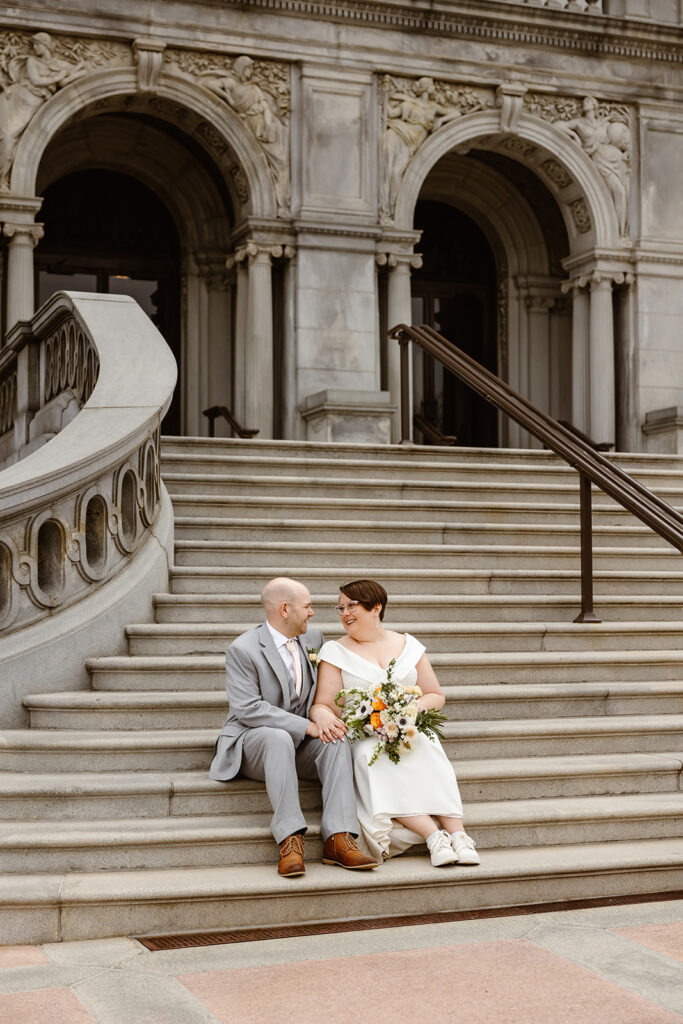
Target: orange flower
x: 375, y: 720
x: 378, y: 704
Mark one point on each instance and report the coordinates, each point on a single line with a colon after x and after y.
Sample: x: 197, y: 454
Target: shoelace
x: 347, y: 841
x: 292, y: 844
x: 468, y: 841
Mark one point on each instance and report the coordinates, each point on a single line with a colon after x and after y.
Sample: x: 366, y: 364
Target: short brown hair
x: 367, y: 592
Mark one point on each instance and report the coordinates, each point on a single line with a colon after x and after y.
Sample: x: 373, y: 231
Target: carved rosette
x: 259, y: 93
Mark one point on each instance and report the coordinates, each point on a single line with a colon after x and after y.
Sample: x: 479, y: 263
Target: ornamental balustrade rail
x: 577, y: 451
x: 83, y: 388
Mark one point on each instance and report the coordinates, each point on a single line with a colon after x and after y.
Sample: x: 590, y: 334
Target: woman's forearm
x: 431, y: 700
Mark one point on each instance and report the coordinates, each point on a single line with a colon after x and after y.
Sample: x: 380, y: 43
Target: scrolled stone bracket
x: 510, y: 100
x: 149, y: 60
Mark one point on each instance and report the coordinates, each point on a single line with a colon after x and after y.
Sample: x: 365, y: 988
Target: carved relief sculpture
x: 32, y: 68
x: 413, y: 111
x: 603, y: 131
x: 259, y: 93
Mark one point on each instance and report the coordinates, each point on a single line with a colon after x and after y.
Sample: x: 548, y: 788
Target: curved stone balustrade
x: 89, y: 506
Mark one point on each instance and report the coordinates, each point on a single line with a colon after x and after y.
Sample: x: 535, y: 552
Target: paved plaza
x: 614, y: 965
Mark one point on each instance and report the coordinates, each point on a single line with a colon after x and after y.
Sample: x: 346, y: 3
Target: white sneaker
x: 440, y: 849
x: 463, y: 847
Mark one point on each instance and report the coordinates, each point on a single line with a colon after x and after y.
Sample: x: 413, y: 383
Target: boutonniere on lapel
x: 313, y: 656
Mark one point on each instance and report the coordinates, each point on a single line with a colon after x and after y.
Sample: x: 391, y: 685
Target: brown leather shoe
x: 342, y: 849
x: 292, y: 857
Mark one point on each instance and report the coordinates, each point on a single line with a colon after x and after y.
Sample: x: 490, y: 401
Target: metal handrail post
x: 586, y: 614
x: 406, y: 393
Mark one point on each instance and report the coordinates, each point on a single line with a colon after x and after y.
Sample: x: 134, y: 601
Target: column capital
x: 259, y: 252
x: 26, y: 234
x: 406, y: 260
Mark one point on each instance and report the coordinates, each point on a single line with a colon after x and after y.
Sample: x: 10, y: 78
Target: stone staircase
x: 567, y: 738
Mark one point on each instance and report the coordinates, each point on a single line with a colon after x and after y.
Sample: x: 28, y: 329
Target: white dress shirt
x: 280, y: 640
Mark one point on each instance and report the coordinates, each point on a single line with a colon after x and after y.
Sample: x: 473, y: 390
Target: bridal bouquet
x: 388, y: 712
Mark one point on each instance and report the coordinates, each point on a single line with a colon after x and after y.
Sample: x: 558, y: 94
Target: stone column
x: 580, y: 337
x: 20, y: 290
x: 601, y: 346
x: 253, y: 399
x: 399, y: 311
x: 216, y: 361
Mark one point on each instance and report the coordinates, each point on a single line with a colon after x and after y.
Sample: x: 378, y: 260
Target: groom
x: 268, y: 735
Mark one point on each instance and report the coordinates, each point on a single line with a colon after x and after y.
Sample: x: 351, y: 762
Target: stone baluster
x: 399, y: 311
x: 601, y: 346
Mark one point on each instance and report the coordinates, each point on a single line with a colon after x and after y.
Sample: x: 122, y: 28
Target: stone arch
x: 210, y: 122
x: 543, y: 143
x: 145, y: 152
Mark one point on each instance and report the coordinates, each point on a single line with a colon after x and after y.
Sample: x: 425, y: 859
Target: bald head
x: 288, y: 605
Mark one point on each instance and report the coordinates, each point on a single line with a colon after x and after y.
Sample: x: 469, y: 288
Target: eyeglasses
x: 341, y: 608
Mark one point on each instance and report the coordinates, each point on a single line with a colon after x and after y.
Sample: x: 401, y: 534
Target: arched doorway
x: 492, y: 244
x: 455, y: 292
x: 107, y: 232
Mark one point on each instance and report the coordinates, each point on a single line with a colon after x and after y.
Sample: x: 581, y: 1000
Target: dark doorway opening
x: 455, y: 293
x: 107, y: 232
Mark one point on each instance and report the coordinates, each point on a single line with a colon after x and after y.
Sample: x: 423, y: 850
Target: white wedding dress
x: 423, y: 782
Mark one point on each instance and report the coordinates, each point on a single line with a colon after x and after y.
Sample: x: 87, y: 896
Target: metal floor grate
x: 185, y: 941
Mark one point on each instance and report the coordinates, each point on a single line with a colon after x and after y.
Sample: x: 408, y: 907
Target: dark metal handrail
x: 222, y: 410
x: 578, y: 452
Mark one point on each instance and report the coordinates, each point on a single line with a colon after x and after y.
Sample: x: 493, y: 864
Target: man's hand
x: 330, y: 726
x: 313, y: 730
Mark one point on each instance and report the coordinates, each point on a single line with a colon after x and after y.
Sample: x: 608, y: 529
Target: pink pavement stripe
x: 511, y: 982
x: 47, y: 1006
x: 21, y: 956
x: 664, y: 938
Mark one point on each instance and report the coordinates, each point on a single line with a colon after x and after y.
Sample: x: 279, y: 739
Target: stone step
x: 228, y: 607
x: 64, y: 907
x: 26, y: 796
x: 244, y: 839
x: 247, y: 581
x: 261, y: 507
x: 198, y: 709
x: 381, y: 555
x: 411, y: 486
x: 207, y: 672
x: 172, y: 445
x: 396, y: 465
x: 438, y: 637
x: 181, y: 749
x: 486, y: 535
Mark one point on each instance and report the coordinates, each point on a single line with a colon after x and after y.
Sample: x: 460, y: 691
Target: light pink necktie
x: 293, y: 649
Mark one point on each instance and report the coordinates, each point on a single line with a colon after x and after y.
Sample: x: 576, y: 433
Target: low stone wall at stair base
x: 49, y: 657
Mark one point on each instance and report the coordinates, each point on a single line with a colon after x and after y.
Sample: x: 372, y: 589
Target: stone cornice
x: 615, y: 37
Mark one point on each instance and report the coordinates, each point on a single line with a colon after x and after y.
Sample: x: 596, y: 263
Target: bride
x: 418, y: 797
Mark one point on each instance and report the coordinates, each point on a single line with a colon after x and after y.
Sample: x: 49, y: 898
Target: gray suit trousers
x: 270, y: 756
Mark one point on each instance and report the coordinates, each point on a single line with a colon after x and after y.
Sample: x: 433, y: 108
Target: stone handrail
x: 74, y: 512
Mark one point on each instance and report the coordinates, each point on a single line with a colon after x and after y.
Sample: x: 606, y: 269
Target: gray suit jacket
x: 259, y: 693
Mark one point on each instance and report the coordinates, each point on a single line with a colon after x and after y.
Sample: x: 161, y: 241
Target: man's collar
x: 279, y: 638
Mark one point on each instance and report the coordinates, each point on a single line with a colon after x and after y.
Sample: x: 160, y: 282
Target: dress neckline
x: 374, y: 663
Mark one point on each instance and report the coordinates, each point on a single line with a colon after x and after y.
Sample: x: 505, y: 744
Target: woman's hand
x: 330, y: 726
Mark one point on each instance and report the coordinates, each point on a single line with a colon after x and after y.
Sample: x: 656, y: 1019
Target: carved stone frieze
x: 603, y: 130
x: 411, y: 110
x: 259, y: 92
x: 520, y: 147
x: 32, y: 68
x: 239, y: 180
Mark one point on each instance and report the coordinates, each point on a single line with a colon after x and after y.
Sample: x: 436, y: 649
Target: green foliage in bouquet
x: 388, y: 712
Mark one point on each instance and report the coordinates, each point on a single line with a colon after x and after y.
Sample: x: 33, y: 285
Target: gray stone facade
x: 292, y: 144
